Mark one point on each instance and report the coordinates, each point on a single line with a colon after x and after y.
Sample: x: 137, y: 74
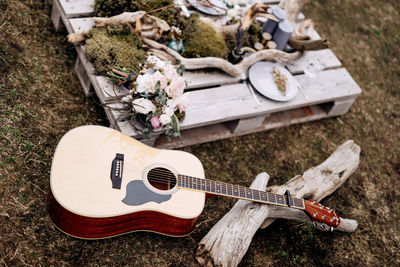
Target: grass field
x: 41, y: 99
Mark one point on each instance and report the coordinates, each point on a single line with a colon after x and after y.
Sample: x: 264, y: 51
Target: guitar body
x: 85, y: 202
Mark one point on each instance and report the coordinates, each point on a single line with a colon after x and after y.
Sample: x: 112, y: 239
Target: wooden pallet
x: 221, y: 106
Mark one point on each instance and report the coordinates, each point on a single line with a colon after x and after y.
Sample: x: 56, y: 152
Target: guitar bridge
x: 117, y: 167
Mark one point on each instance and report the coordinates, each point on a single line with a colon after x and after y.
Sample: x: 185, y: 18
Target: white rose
x: 168, y: 111
x: 165, y: 119
x: 144, y: 83
x: 171, y: 103
x: 176, y: 87
x: 143, y: 105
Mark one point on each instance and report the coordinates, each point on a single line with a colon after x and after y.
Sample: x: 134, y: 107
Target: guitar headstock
x: 321, y: 214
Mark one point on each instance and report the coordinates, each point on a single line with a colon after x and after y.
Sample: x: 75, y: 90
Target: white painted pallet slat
x: 83, y: 78
x: 201, y: 79
x: 77, y: 8
x: 81, y: 24
x: 224, y: 130
x: 235, y: 101
x: 325, y: 55
x: 110, y: 91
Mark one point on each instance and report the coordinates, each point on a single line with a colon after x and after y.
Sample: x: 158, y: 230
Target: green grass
x: 41, y: 99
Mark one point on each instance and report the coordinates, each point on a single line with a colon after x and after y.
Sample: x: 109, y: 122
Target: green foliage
x: 114, y: 46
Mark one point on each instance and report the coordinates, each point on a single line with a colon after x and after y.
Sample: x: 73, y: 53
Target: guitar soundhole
x: 161, y: 178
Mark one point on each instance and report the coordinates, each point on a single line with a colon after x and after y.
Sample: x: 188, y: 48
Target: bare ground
x: 41, y: 99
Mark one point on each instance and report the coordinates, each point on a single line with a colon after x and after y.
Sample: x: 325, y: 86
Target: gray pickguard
x: 137, y: 194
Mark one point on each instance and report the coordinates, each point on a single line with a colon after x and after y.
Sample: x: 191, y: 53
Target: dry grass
x: 41, y: 99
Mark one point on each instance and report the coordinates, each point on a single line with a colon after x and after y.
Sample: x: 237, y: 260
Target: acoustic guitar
x: 104, y: 183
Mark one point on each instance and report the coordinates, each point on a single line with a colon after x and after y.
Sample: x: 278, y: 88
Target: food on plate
x: 280, y: 80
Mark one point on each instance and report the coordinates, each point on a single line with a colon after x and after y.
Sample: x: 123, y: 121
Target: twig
x: 37, y: 187
x: 15, y: 253
x: 2, y: 59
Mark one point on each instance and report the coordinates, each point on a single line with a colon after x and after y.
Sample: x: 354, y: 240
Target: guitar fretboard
x: 236, y: 191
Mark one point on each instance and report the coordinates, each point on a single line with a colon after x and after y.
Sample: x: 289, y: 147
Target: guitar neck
x: 236, y: 191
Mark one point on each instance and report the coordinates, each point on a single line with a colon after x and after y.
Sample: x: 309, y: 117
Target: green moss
x: 201, y: 40
x: 114, y: 45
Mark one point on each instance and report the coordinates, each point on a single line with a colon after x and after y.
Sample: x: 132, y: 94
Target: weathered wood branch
x: 228, y: 241
x: 236, y: 70
x: 305, y: 43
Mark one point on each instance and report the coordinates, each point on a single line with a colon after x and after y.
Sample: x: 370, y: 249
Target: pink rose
x: 155, y: 122
x: 176, y: 87
x: 170, y: 72
x: 183, y: 102
x: 157, y: 76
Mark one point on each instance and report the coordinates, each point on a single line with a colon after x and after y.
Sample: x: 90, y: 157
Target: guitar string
x: 159, y: 175
x: 241, y: 192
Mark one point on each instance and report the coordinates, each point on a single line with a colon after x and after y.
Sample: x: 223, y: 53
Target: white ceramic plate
x: 260, y: 76
x: 218, y: 9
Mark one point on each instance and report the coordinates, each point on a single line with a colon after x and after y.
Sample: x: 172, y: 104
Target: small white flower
x: 156, y: 62
x: 143, y: 105
x: 127, y: 98
x: 165, y: 119
x: 177, y: 30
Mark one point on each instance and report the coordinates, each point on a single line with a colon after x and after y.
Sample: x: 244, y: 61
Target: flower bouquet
x: 156, y: 98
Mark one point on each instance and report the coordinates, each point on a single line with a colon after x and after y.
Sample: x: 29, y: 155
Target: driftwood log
x: 235, y: 70
x: 228, y: 241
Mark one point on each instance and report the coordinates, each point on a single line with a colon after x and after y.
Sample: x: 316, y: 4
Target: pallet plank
x: 110, y: 91
x: 77, y: 8
x: 81, y: 24
x: 325, y: 55
x: 83, y: 78
x: 235, y: 101
x: 56, y: 17
x: 201, y: 79
x: 220, y: 131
